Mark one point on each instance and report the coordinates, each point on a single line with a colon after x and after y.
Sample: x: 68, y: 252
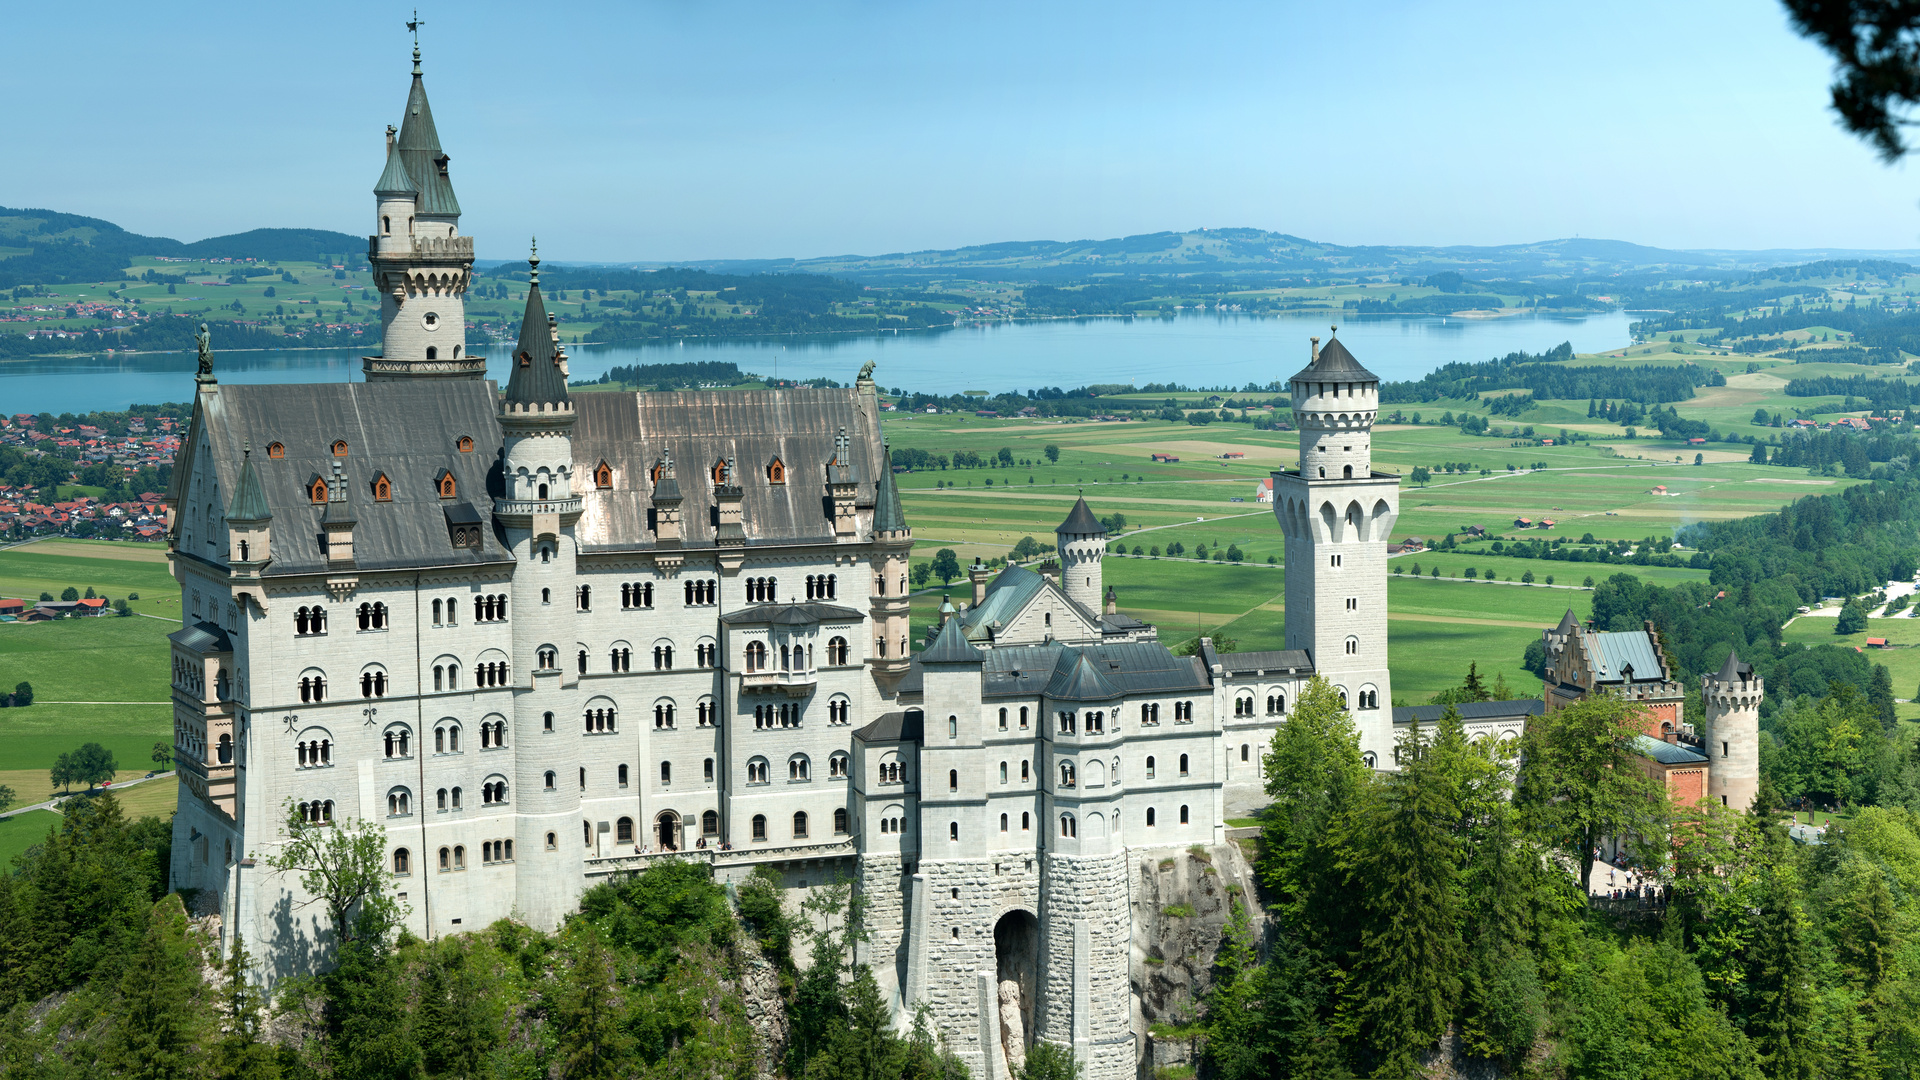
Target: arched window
x: 550, y: 779
x: 1150, y: 816
x: 756, y: 656
x: 339, y: 448
x: 1243, y: 704
x: 709, y: 823
x: 465, y: 444
x: 757, y: 770
x: 1183, y: 764
x: 402, y: 861
x: 953, y: 833
x: 759, y: 826
x: 446, y: 859
x: 623, y: 830
x: 433, y: 352
x: 953, y: 779
x: 399, y: 803
x: 837, y: 764
x: 798, y: 767
x: 800, y: 825
x: 666, y: 773
x: 276, y: 450
x: 776, y: 472
x: 447, y: 486
x: 1183, y: 814
x: 1149, y: 766
x: 382, y: 488
x: 837, y: 652
x: 1003, y: 823
x: 317, y: 491
x: 840, y: 821
x: 1067, y: 826
x: 1066, y: 774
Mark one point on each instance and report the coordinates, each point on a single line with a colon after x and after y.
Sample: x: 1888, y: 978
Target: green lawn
x: 96, y: 660
x: 1902, y: 659
x: 110, y: 569
x: 22, y: 831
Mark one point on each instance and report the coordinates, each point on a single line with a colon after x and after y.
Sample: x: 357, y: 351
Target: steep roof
x: 394, y: 180
x: 537, y: 377
x: 791, y: 613
x: 631, y: 430
x: 419, y: 149
x: 1336, y: 364
x: 951, y: 647
x: 249, y: 502
x: 1081, y: 522
x: 406, y: 430
x: 1567, y: 624
x: 1075, y: 678
x: 201, y: 637
x: 1007, y: 593
x: 903, y: 726
x: 1613, y: 652
x: 888, y: 516
x: 1731, y: 671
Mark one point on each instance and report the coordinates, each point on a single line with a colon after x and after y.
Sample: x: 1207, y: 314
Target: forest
x: 1547, y: 375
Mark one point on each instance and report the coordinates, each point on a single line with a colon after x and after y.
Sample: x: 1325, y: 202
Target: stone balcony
x: 794, y: 683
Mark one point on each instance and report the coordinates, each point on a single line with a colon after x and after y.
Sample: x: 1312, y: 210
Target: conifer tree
x: 1779, y: 990
x: 1314, y: 772
x: 240, y: 1055
x: 456, y: 1020
x: 591, y: 1043
x: 1582, y: 785
x: 159, y: 1017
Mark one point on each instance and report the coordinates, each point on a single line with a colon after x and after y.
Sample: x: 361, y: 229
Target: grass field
x: 110, y: 569
x: 22, y: 831
x: 1902, y: 658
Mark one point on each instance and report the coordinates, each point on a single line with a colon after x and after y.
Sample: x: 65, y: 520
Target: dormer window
x: 654, y: 473
x: 382, y: 488
x: 465, y: 444
x: 720, y: 471
x: 276, y: 450
x: 339, y: 448
x: 603, y: 476
x: 317, y: 490
x: 526, y: 359
x: 445, y: 485
x: 776, y: 472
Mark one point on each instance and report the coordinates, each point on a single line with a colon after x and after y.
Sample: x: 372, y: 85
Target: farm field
x: 111, y: 569
x: 1902, y: 658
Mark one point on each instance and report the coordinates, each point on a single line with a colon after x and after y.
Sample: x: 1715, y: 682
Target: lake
x: 1195, y: 349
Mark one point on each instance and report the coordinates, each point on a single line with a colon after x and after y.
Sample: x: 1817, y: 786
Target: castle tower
x: 1336, y: 514
x: 888, y: 603
x: 421, y: 264
x: 1732, y: 735
x: 1082, y: 541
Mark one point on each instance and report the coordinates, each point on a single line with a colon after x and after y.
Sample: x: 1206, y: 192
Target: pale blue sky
x: 737, y: 130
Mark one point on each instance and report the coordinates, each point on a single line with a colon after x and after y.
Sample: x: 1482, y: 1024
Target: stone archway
x: 1016, y: 949
x: 667, y: 830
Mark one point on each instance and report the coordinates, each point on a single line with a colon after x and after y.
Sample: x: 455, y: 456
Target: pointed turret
x: 249, y: 500
x: 888, y: 516
x: 1082, y: 541
x: 539, y: 379
x: 249, y: 522
x: 394, y: 183
x: 1733, y: 671
x: 419, y: 148
x: 951, y: 647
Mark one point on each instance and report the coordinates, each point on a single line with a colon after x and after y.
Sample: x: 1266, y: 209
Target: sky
x: 680, y: 131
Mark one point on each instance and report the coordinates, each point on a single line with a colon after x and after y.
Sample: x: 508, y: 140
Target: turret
x: 1082, y: 541
x: 1334, y: 403
x: 536, y: 420
x: 1732, y: 736
x: 420, y: 262
x: 843, y: 487
x: 888, y: 604
x: 249, y: 523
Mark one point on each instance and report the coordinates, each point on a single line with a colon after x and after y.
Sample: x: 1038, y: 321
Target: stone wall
x: 1086, y: 924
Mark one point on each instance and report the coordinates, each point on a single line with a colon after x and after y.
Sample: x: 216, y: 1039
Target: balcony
x: 794, y: 683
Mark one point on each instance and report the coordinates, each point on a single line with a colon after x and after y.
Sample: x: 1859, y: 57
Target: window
x: 704, y: 712
x: 308, y: 621
x: 553, y: 841
x: 1067, y: 827
x: 1003, y: 719
x: 798, y: 767
x: 276, y: 450
x: 757, y: 770
x: 666, y: 773
x: 837, y: 653
x: 839, y: 711
x: 837, y: 765
x: 840, y: 821
x: 601, y: 721
x: 776, y: 472
x: 760, y: 827
x: 465, y: 444
x: 313, y: 688
x: 663, y: 715
x: 399, y: 803
x: 1183, y: 764
x: 402, y: 861
x: 546, y: 722
x: 756, y: 656
x: 314, y: 753
x: 800, y: 825
x: 397, y: 740
x: 1003, y: 823
x: 1183, y: 814
x: 953, y: 833
x: 1066, y: 774
x: 1149, y: 766
x: 446, y: 859
x: 1243, y: 705
x: 373, y: 684
x: 382, y: 488
x: 1276, y: 703
x: 1023, y: 718
x: 1244, y: 751
x: 551, y: 778
x: 953, y: 727
x: 662, y: 657
x: 762, y: 590
x: 316, y: 491
x: 1026, y: 821
x: 1150, y: 817
x: 583, y: 597
x: 709, y: 824
x: 1353, y: 646
x: 603, y: 476
x: 707, y: 771
x: 1003, y: 772
x: 623, y: 830
x: 953, y: 779
x: 493, y: 793
x: 433, y: 351
x: 705, y: 654
x: 340, y: 448
x: 1024, y: 775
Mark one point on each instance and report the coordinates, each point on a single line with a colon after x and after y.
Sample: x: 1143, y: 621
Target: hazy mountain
x: 46, y: 247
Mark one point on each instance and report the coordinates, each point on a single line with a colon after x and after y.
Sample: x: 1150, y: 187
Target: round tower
x: 1732, y: 735
x: 1082, y: 541
x: 1334, y: 403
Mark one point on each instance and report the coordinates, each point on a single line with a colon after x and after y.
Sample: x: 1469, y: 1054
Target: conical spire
x: 537, y: 377
x: 395, y: 181
x: 249, y: 501
x: 887, y: 513
x: 1733, y: 670
x: 1334, y: 363
x: 1081, y: 522
x: 419, y: 149
x: 951, y: 647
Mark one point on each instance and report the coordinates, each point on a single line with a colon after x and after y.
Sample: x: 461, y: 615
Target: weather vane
x: 414, y: 25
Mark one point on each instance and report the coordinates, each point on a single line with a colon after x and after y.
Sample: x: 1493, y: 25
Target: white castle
x: 544, y: 638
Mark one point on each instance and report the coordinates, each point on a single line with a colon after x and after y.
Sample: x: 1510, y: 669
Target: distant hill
x: 46, y: 247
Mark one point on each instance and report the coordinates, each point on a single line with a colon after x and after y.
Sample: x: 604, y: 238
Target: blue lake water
x: 1195, y: 349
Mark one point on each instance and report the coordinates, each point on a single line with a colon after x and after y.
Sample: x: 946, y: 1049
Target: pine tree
x: 159, y: 1015
x: 456, y: 1021
x: 1474, y: 689
x: 240, y: 1055
x: 367, y: 1013
x: 1779, y: 991
x: 592, y: 1043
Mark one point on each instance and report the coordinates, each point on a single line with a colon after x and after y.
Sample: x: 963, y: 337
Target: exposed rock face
x: 1181, y: 907
x: 767, y: 1014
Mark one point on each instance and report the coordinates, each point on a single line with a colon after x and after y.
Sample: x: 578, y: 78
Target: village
x: 28, y: 510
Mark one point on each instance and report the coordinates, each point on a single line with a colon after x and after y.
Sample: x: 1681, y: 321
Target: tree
x: 7, y: 796
x: 1050, y: 1061
x: 1421, y: 476
x: 1699, y: 459
x: 162, y: 755
x: 1473, y: 689
x: 591, y: 1042
x: 159, y: 1013
x: 1052, y: 452
x: 343, y: 866
x: 70, y: 593
x: 456, y: 1016
x: 1234, y: 554
x: 1582, y: 784
x: 1314, y: 772
x: 1852, y: 619
x: 1877, y: 58
x: 22, y: 694
x: 89, y: 765
x: 919, y: 574
x: 240, y: 1054
x: 946, y: 565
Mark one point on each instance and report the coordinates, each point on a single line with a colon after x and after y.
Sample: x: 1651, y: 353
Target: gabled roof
x: 904, y: 726
x: 1470, y: 710
x: 1666, y: 753
x: 537, y: 378
x: 1076, y: 679
x: 1614, y: 652
x: 201, y: 637
x: 1335, y: 364
x: 419, y: 149
x: 790, y: 614
x: 951, y: 647
x: 249, y: 502
x: 1081, y: 522
x: 1007, y: 593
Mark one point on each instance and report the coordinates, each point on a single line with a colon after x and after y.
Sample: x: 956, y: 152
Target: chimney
x: 1113, y: 602
x: 1313, y: 354
x: 978, y: 574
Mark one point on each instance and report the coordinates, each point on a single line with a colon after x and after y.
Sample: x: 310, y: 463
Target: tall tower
x: 1336, y: 514
x: 421, y: 264
x: 1082, y: 541
x: 1732, y: 735
x: 887, y: 605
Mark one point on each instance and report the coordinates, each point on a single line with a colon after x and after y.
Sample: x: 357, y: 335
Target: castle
x: 495, y: 621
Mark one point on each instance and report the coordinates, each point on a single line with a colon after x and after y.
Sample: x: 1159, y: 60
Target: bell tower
x: 1336, y: 513
x: 421, y: 264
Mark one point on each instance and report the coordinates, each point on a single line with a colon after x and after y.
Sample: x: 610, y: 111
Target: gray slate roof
x: 1081, y: 522
x: 1007, y: 593
x: 1336, y: 364
x: 1272, y: 661
x: 628, y: 430
x: 201, y: 637
x: 1131, y: 667
x: 888, y: 515
x: 790, y: 614
x: 419, y: 149
x: 951, y: 647
x: 406, y: 430
x: 905, y: 726
x: 537, y: 378
x: 1666, y: 753
x: 1733, y: 670
x: 394, y: 179
x: 1470, y: 710
x: 249, y: 502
